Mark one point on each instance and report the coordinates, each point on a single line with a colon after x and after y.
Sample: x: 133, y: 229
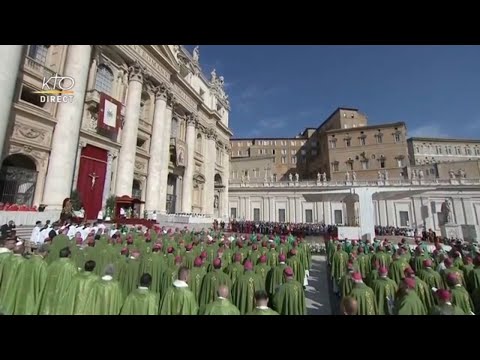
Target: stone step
x: 24, y: 232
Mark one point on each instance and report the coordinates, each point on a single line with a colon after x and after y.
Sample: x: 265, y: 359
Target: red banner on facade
x: 109, y: 114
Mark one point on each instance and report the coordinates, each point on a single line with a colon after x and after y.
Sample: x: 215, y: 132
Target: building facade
x: 141, y: 121
x: 437, y: 150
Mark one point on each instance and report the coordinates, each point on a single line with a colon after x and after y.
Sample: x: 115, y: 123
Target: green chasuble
x: 254, y: 256
x: 339, y: 264
x: 105, y: 298
x: 410, y: 304
x: 365, y: 299
x: 432, y: 278
x: 220, y: 306
x: 363, y: 264
x: 397, y: 269
x: 210, y: 284
x: 297, y: 267
x: 30, y: 283
x: 59, y: 277
x: 178, y: 300
x: 129, y: 276
x: 425, y: 293
x: 9, y: 283
x: 168, y: 277
x: 195, y: 281
x: 243, y: 291
x: 289, y: 299
x: 467, y: 270
x: 234, y: 270
x: 417, y: 262
x: 446, y: 309
x: 272, y: 258
x: 345, y: 285
x: 74, y: 300
x: 263, y: 311
x: 262, y: 270
x: 275, y: 278
x: 473, y: 279
x: 455, y: 270
x: 154, y: 264
x: 141, y: 302
x: 384, y: 287
x: 189, y: 259
x: 383, y: 258
x: 372, y: 276
x: 461, y: 298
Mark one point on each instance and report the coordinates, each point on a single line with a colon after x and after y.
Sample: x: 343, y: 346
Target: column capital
x: 161, y: 91
x: 171, y: 100
x: 192, y: 119
x: 82, y: 144
x: 137, y: 72
x: 211, y: 134
x: 112, y: 154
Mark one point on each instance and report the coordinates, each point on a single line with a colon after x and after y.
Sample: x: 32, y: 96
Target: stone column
x: 81, y: 145
x: 165, y: 143
x: 10, y: 58
x: 469, y: 212
x: 210, y: 160
x: 350, y: 210
x: 92, y: 74
x: 226, y: 179
x: 126, y: 158
x: 108, y: 178
x: 156, y: 150
x: 61, y: 165
x: 190, y: 166
x: 39, y: 186
x: 366, y: 212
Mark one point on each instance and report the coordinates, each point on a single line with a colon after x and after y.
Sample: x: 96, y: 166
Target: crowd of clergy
x: 382, y: 278
x: 95, y: 270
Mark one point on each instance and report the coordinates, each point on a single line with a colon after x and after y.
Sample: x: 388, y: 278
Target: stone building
x: 136, y: 120
x: 436, y: 150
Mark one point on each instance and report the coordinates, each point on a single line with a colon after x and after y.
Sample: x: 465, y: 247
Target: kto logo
x: 57, y: 89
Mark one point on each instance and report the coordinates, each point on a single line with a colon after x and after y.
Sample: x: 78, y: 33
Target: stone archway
x: 18, y: 180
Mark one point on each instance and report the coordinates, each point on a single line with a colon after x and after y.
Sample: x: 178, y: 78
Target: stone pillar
x: 272, y: 208
x: 92, y: 74
x: 350, y: 211
x: 366, y: 212
x: 391, y: 216
x: 165, y: 154
x: 178, y: 190
x: 61, y: 166
x: 10, y: 58
x: 81, y: 145
x: 469, y: 212
x: 210, y: 160
x: 458, y: 213
x: 39, y: 186
x: 266, y: 212
x: 291, y: 210
x: 108, y: 178
x: 417, y: 213
x: 190, y: 166
x: 157, y: 148
x: 299, y: 214
x: 226, y: 178
x: 126, y: 159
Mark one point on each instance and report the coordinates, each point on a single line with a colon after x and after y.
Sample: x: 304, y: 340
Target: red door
x: 91, y: 179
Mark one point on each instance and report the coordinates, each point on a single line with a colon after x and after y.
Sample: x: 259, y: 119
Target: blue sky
x: 279, y: 90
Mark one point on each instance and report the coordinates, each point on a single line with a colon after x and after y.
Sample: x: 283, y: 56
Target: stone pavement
x: 318, y: 292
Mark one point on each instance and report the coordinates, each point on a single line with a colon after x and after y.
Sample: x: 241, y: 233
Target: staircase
x: 24, y: 232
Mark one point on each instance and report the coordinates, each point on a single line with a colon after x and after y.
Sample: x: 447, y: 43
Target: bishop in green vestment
x: 364, y: 295
x: 346, y: 282
x: 189, y: 256
x: 196, y: 278
x: 298, y: 268
x: 432, y: 278
x: 106, y: 296
x: 339, y: 263
x: 450, y: 268
x: 445, y: 306
x: 243, y: 292
x: 289, y: 299
x: 275, y: 276
x: 212, y: 281
x: 170, y: 275
x: 222, y: 305
x: 59, y: 277
x: 474, y: 277
x: 129, y: 273
x: 261, y: 304
x: 397, y: 269
x: 407, y: 301
x: 30, y: 282
x: 272, y: 256
x: 8, y: 282
x: 384, y: 289
x: 235, y: 269
x: 467, y: 268
x: 74, y: 300
x: 460, y: 295
x: 373, y: 275
x: 142, y: 301
x: 363, y: 263
x: 178, y: 299
x: 262, y: 269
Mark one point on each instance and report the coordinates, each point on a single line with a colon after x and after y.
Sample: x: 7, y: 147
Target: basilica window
x: 198, y: 145
x: 38, y: 53
x: 104, y: 79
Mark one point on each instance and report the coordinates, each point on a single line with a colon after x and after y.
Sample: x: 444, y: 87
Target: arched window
x: 198, y: 144
x: 38, y: 53
x: 104, y: 79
